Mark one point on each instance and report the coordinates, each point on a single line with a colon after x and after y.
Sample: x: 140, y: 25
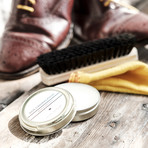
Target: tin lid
x: 47, y: 111
x: 87, y: 99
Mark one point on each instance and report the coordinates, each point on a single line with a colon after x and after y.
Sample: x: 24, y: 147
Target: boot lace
x: 107, y: 2
x: 26, y: 7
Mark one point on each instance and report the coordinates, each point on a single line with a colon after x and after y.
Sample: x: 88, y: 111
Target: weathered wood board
x: 121, y: 121
x: 10, y: 90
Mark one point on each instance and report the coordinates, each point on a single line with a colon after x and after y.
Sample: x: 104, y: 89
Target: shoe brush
x: 93, y: 56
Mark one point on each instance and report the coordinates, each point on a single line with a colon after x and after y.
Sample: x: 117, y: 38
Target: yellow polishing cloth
x: 131, y: 77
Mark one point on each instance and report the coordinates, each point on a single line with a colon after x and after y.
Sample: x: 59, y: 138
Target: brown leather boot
x: 34, y: 27
x: 97, y: 19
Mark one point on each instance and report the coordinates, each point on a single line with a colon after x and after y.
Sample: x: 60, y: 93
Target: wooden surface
x: 11, y: 90
x: 121, y: 121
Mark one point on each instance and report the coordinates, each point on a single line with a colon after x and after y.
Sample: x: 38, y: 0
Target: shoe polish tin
x: 50, y: 109
x: 86, y: 97
x: 47, y: 111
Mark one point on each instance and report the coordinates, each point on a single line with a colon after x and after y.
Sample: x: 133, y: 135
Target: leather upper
x: 94, y: 20
x: 30, y: 34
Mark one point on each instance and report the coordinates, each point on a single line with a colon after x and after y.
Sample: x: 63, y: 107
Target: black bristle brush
x: 82, y: 55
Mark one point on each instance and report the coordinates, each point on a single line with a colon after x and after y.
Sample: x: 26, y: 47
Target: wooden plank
x: 121, y: 121
x: 10, y: 90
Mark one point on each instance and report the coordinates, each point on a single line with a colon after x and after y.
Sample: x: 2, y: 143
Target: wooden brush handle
x: 62, y: 77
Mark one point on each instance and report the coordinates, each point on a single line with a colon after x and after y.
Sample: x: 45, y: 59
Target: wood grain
x: 11, y: 90
x: 122, y: 121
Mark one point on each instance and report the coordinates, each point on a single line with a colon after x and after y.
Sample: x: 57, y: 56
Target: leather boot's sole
x: 35, y: 68
x: 21, y: 74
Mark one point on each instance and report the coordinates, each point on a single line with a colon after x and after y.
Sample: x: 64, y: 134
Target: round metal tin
x: 87, y: 99
x: 47, y: 111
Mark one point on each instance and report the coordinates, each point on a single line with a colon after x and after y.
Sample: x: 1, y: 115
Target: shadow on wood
x: 16, y: 130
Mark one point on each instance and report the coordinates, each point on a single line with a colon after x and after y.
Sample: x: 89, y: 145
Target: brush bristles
x: 86, y: 53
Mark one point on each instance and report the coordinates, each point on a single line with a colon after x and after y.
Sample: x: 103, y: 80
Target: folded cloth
x: 130, y: 77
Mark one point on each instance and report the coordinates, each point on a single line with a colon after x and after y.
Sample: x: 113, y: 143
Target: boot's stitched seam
x: 25, y: 41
